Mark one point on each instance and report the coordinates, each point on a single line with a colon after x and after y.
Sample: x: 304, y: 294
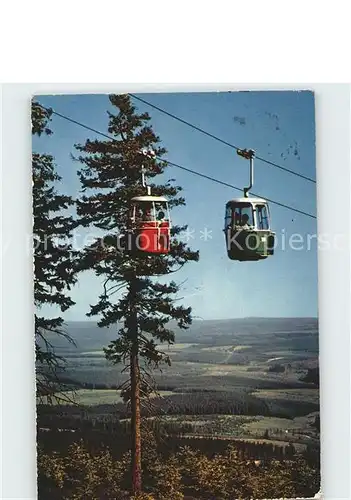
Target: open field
x: 297, y: 430
x: 308, y: 395
x: 94, y: 397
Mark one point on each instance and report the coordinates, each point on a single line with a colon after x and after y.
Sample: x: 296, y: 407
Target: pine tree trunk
x: 135, y: 408
x: 136, y: 430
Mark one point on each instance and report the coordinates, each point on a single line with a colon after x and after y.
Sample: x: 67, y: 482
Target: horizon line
x: 198, y: 318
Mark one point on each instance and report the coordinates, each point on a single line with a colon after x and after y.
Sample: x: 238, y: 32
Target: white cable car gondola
x: 248, y: 234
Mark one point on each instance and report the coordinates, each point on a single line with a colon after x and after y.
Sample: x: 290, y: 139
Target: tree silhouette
x: 53, y: 259
x: 111, y: 175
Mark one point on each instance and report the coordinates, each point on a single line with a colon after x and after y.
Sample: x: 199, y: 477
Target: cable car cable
x: 271, y: 163
x: 240, y: 189
x: 213, y: 179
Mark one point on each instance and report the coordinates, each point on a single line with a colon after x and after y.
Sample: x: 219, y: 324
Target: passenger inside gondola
x: 237, y: 219
x: 245, y: 221
x: 147, y: 212
x: 161, y: 212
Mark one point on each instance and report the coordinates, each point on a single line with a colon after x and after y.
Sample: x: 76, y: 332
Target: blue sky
x: 274, y: 124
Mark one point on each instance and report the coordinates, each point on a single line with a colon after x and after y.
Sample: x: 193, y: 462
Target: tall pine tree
x: 54, y: 272
x: 110, y: 177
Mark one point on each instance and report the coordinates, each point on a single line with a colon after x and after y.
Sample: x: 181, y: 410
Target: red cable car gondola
x: 149, y: 221
x: 150, y: 224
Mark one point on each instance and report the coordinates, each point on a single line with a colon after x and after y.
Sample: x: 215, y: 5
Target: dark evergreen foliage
x: 54, y: 272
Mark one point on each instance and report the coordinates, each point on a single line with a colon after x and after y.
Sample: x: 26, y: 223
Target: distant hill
x: 89, y: 337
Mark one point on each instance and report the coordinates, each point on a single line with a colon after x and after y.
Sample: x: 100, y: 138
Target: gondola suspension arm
x: 249, y: 154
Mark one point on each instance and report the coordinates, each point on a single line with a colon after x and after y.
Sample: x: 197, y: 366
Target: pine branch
x: 53, y: 262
